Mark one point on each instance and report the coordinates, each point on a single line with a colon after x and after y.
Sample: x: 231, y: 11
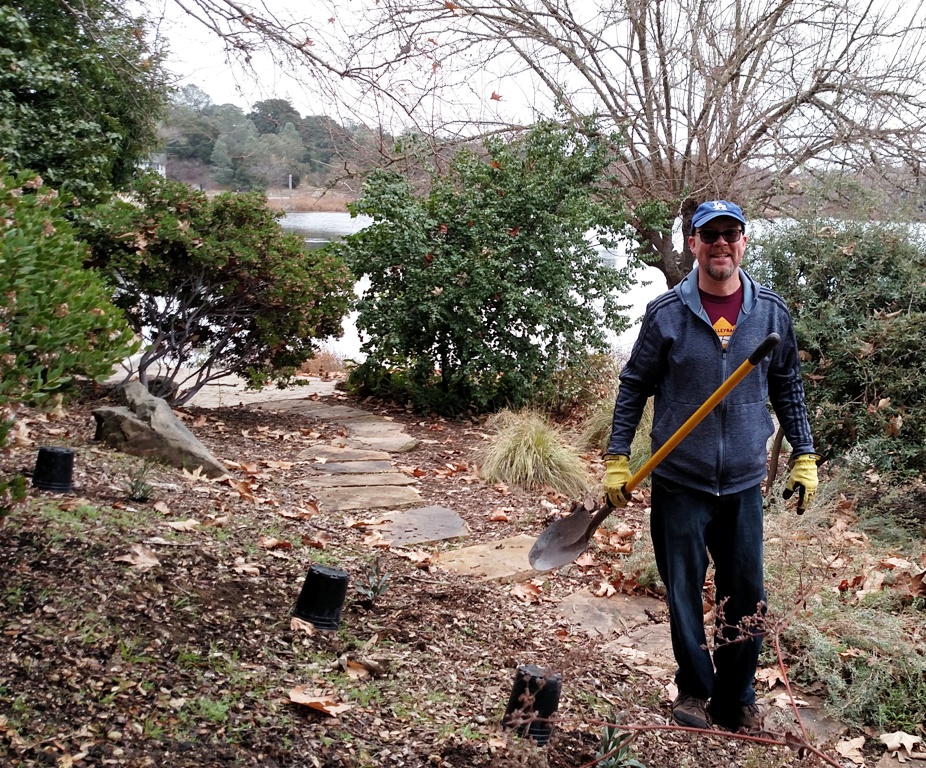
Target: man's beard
x: 718, y: 274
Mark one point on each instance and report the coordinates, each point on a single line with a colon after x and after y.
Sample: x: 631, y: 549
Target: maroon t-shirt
x: 723, y: 311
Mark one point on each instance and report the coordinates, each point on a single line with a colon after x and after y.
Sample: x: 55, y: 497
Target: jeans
x: 685, y: 526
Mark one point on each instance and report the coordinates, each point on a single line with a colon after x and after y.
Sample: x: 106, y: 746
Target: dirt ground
x: 160, y: 632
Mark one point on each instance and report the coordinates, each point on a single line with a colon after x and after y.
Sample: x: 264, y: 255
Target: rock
x: 146, y: 426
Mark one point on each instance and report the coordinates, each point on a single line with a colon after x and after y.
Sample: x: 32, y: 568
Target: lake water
x: 323, y: 227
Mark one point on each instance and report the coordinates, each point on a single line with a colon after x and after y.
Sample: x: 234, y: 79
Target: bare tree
x: 743, y: 99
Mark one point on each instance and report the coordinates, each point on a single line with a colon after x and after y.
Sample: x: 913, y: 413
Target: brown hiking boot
x: 750, y: 718
x: 690, y: 711
x: 746, y: 718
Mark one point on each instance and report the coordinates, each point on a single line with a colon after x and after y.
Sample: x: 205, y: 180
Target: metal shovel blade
x: 563, y: 541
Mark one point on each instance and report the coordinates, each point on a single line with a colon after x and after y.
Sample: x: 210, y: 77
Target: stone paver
x: 354, y: 468
x: 366, y: 497
x: 337, y: 453
x: 505, y: 560
x: 231, y: 391
x: 356, y: 480
x: 618, y: 613
x: 422, y: 525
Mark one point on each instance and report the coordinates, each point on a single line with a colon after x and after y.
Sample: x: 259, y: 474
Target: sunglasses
x: 711, y: 235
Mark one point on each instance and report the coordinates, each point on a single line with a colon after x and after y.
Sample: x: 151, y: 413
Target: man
x: 706, y: 494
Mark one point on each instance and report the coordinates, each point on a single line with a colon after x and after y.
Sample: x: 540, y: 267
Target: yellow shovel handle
x: 760, y: 353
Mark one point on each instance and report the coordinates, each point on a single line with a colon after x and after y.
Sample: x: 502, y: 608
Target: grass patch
x: 596, y: 431
x: 530, y: 453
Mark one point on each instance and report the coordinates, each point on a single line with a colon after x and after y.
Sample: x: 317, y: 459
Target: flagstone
x: 356, y: 480
x: 365, y: 497
x: 504, y: 560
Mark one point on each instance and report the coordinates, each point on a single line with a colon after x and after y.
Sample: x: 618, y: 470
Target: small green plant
x: 12, y: 493
x: 138, y: 488
x: 614, y: 749
x: 529, y: 452
x: 365, y: 695
x: 374, y: 582
x: 215, y: 711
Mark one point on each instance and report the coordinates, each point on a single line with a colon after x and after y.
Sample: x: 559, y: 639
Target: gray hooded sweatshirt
x: 679, y: 359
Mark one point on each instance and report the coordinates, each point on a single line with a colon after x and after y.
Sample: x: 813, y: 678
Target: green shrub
x: 56, y: 318
x: 859, y: 302
x: 484, y: 292
x: 528, y: 452
x: 215, y: 286
x: 81, y: 92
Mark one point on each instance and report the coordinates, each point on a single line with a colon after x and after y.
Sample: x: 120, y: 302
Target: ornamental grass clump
x: 528, y: 452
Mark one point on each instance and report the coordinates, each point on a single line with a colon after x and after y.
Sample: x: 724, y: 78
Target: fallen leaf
x: 376, y: 539
x: 161, y: 507
x: 783, y: 701
x: 498, y: 515
x: 851, y: 653
x: 367, y: 523
x: 279, y: 464
x: 243, y: 487
x: 894, y: 741
x: 852, y: 749
x: 268, y: 542
x: 20, y: 434
x: 319, y: 541
x: 585, y: 560
x: 299, y: 513
x: 301, y: 625
x: 141, y: 558
x: 526, y: 592
x: 771, y: 676
x: 604, y: 589
x: 183, y: 525
x: 419, y: 557
x: 242, y: 567
x: 915, y: 586
x: 322, y: 702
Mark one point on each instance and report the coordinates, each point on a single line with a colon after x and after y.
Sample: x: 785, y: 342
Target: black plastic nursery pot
x: 534, y: 698
x: 322, y: 598
x: 54, y: 469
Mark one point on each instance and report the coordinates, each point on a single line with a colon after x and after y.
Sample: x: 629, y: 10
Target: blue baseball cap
x: 714, y: 209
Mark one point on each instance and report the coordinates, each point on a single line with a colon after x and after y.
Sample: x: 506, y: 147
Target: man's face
x: 718, y: 260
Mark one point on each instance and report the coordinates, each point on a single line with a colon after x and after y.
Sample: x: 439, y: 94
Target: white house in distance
x: 157, y: 162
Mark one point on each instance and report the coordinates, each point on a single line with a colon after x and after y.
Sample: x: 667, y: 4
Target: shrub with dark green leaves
x: 56, y: 318
x: 485, y: 292
x: 81, y: 92
x: 858, y: 297
x: 214, y: 286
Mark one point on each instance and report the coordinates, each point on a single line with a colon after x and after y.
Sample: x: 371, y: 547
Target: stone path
x: 359, y: 473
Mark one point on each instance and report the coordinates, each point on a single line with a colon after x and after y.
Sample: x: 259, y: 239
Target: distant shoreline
x: 307, y: 200
x: 310, y: 200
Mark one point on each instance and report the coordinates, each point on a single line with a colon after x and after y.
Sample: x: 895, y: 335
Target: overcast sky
x: 197, y: 57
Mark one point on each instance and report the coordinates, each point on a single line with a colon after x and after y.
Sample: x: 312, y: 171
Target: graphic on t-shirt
x: 719, y: 308
x: 724, y: 329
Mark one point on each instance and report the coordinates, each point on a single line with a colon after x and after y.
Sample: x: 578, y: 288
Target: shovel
x: 566, y: 539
